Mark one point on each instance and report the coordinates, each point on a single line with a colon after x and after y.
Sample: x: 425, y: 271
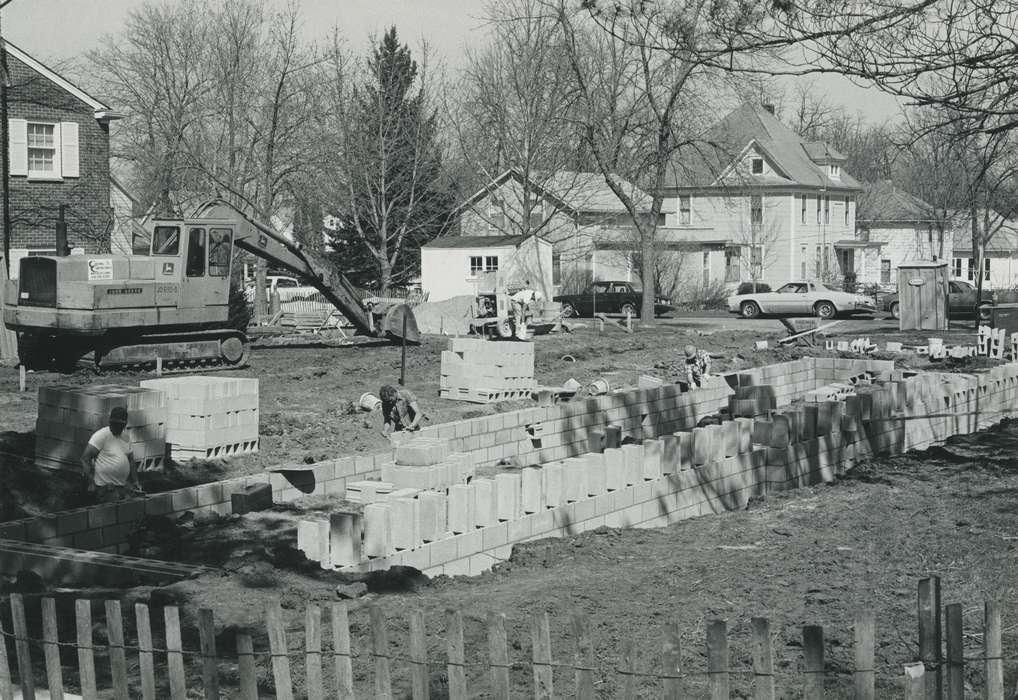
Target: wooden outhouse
x: 922, y: 296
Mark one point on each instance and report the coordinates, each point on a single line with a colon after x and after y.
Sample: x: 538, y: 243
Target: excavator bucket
x: 399, y: 324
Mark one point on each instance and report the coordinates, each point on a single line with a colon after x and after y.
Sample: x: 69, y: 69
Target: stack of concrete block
x: 991, y: 342
x: 482, y: 371
x: 427, y: 464
x: 368, y: 491
x: 209, y: 417
x: 69, y: 415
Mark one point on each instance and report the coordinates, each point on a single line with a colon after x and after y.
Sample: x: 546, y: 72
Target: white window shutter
x: 18, y: 130
x: 68, y: 149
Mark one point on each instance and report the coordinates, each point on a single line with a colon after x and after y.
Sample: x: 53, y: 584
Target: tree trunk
x: 260, y: 298
x: 649, y: 254
x: 977, y: 252
x: 384, y: 277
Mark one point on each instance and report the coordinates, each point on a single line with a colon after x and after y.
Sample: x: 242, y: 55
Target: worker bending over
x: 697, y: 367
x: 522, y: 299
x: 108, y: 463
x: 399, y: 409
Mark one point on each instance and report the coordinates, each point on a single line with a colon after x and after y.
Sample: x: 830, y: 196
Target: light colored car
x: 289, y: 288
x: 809, y: 298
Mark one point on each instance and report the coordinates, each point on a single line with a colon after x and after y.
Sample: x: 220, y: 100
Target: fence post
x: 930, y: 640
x: 915, y: 681
x: 717, y: 659
x: 51, y: 639
x: 6, y: 682
x: 174, y: 655
x: 671, y: 662
x: 456, y: 670
x: 21, y: 648
x: 418, y: 656
x: 813, y: 646
x: 86, y: 658
x: 540, y: 634
x: 313, y: 653
x: 763, y: 659
x: 498, y: 656
x: 146, y: 667
x: 955, y: 653
x: 246, y: 667
x: 207, y: 644
x: 865, y: 673
x: 279, y: 650
x: 380, y: 650
x: 992, y: 652
x: 584, y: 658
x: 341, y: 651
x: 629, y: 679
x: 118, y: 659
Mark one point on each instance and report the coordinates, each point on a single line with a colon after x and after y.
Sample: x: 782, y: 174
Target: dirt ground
x: 309, y: 392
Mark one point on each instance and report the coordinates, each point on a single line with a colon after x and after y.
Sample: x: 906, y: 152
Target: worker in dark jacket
x: 399, y: 409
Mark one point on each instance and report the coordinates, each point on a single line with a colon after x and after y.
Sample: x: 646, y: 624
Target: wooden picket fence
x: 932, y: 676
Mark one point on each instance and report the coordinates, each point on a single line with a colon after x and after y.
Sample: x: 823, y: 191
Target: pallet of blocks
x: 69, y: 415
x: 209, y: 417
x: 483, y: 371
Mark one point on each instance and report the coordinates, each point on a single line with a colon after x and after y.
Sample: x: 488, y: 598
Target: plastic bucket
x: 369, y: 402
x: 598, y: 387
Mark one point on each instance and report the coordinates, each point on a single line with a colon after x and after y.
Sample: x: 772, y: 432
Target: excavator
x: 172, y: 305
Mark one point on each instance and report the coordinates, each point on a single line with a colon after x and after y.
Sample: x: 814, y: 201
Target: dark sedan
x: 961, y: 298
x: 611, y: 297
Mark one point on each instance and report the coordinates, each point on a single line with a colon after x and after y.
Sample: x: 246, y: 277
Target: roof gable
x: 882, y: 201
x: 101, y: 110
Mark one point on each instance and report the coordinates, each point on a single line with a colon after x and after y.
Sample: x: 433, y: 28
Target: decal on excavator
x: 167, y: 268
x: 100, y: 269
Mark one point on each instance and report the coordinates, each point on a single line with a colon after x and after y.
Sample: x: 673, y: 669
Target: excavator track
x: 194, y: 351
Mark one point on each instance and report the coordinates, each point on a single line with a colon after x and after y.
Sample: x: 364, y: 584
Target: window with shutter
x: 69, y: 149
x: 18, y: 144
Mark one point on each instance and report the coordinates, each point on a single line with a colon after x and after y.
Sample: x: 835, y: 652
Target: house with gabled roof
x: 59, y: 155
x: 758, y: 201
x: 1000, y: 254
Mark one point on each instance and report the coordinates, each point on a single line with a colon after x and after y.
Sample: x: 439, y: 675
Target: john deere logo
x: 917, y: 281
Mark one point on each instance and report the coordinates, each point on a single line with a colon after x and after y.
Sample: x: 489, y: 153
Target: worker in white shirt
x: 108, y: 464
x: 522, y: 299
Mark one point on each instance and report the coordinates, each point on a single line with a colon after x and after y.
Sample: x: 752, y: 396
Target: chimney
x: 769, y: 107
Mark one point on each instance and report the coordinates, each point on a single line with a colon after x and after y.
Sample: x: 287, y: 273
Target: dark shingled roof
x: 475, y: 242
x: 882, y: 201
x: 700, y: 164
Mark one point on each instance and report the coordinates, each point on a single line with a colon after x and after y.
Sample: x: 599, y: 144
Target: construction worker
x: 697, y: 367
x: 522, y: 299
x: 399, y: 409
x: 108, y: 463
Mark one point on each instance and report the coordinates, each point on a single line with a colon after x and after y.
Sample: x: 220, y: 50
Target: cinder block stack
x: 68, y: 415
x: 209, y: 417
x: 427, y: 464
x: 483, y: 371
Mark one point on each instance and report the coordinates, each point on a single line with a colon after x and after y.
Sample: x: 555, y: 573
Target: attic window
x: 756, y: 166
x: 834, y: 171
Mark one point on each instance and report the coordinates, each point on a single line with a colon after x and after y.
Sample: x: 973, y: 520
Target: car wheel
x: 568, y: 310
x: 985, y: 313
x: 749, y: 309
x: 894, y: 310
x: 629, y: 310
x: 825, y: 309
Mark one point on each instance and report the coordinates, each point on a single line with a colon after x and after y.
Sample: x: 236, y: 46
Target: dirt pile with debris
x: 448, y: 317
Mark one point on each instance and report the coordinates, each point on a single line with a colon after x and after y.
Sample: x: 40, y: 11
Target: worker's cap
x: 387, y: 393
x: 690, y: 351
x: 118, y: 415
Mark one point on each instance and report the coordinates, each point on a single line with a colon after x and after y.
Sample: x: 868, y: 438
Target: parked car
x: 289, y: 288
x: 961, y: 298
x: 609, y: 297
x: 808, y: 298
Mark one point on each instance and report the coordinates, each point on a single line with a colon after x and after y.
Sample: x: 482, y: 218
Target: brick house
x: 59, y: 139
x: 757, y: 201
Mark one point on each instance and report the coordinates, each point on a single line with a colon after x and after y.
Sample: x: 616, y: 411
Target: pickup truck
x: 609, y: 297
x: 289, y: 288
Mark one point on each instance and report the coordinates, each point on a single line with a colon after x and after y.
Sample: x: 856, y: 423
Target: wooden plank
x: 174, y: 655
x: 86, y: 656
x: 456, y: 669
x: 992, y: 651
x: 915, y: 681
x: 864, y: 674
x: 51, y: 649
x: 313, y: 652
x: 671, y: 662
x: 209, y: 662
x: 630, y: 682
x: 118, y: 658
x: 280, y: 652
x: 246, y: 668
x: 23, y: 652
x: 341, y: 651
x: 6, y: 682
x: 146, y: 665
x: 540, y: 635
x: 929, y: 634
x: 418, y: 657
x: 498, y: 656
x: 717, y: 659
x: 584, y: 657
x: 955, y: 653
x: 380, y: 650
x: 809, y: 332
x: 813, y: 647
x: 763, y: 659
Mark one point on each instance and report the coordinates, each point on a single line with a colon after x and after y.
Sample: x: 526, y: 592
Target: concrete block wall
x: 481, y: 371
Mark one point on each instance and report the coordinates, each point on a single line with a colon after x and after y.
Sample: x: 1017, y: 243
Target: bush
x: 706, y: 297
x: 752, y: 287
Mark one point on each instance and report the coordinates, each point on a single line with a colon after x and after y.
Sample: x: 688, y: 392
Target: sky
x: 59, y: 31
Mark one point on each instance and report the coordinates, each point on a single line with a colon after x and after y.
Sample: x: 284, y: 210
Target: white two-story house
x: 758, y: 202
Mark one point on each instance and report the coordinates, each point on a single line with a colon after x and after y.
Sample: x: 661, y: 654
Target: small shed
x: 457, y: 265
x: 922, y: 296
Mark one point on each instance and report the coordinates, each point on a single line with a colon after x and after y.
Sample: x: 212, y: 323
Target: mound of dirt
x: 449, y: 317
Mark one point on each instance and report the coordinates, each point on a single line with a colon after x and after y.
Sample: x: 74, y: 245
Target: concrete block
x: 597, y: 474
x: 632, y: 456
x: 554, y: 495
x: 531, y: 490
x: 615, y: 469
x: 670, y: 460
x: 507, y: 496
x: 460, y: 508
x: 595, y: 441
x: 781, y: 432
x: 703, y: 446
x: 433, y: 516
x: 612, y: 436
x: 484, y: 502
x: 367, y: 491
x: 652, y: 456
x: 729, y: 439
x: 345, y: 533
x: 574, y: 479
x: 313, y: 539
x: 745, y: 432
x: 718, y: 441
x: 405, y: 522
x: 254, y: 497
x: 761, y: 431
